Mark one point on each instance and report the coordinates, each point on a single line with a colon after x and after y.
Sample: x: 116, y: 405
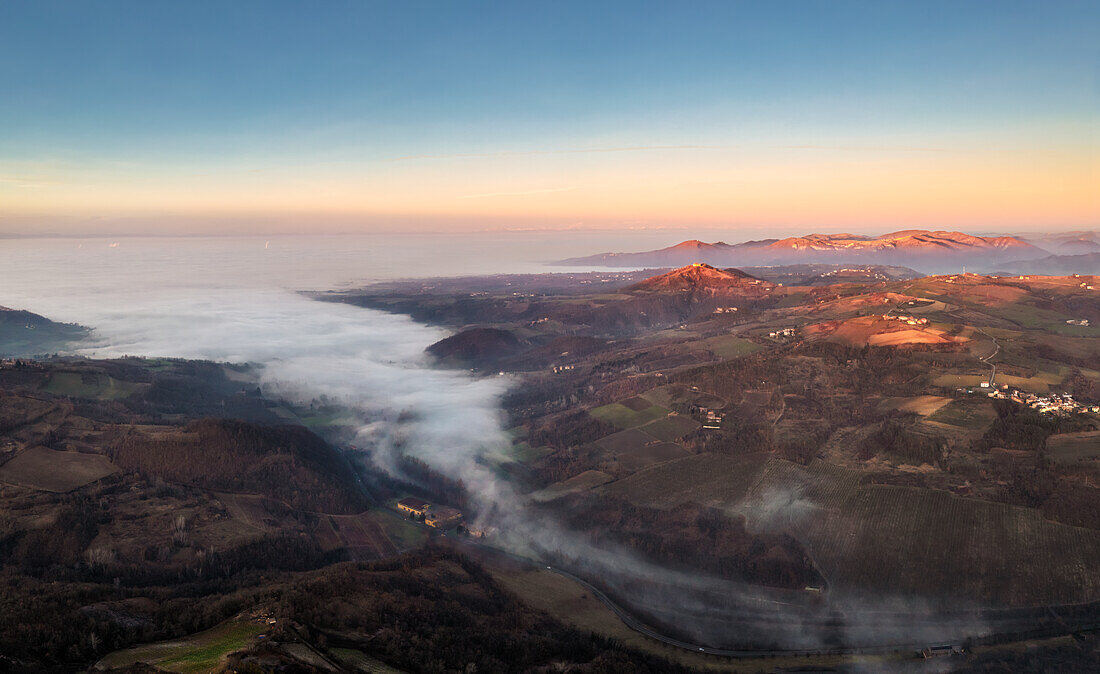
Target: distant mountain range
x: 938, y: 251
x: 1065, y: 243
x: 1055, y: 264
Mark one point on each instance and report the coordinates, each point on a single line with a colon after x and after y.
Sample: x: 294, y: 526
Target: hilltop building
x: 414, y: 506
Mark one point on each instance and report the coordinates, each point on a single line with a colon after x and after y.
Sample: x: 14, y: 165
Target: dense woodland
x: 435, y: 611
x: 63, y: 614
x: 898, y: 436
x: 431, y: 611
x: 288, y: 463
x: 694, y: 538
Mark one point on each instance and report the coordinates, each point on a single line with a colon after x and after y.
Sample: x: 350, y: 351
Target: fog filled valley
x: 549, y: 338
x: 799, y: 465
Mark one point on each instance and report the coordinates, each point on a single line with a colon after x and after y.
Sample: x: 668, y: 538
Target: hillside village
x: 1060, y: 404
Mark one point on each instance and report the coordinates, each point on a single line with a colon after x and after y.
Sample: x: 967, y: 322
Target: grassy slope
x: 194, y: 654
x: 624, y: 417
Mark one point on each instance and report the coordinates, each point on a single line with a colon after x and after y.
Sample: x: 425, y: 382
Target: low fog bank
x: 373, y: 363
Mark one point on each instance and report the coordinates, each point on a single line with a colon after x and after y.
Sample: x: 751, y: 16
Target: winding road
x: 985, y: 359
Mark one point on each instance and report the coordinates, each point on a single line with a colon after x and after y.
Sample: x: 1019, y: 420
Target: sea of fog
x: 238, y: 300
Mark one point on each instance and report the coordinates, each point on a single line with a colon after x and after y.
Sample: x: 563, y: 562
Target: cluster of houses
x: 908, y: 320
x: 725, y: 310
x: 1083, y: 322
x: 1061, y: 404
x: 785, y: 333
x: 563, y: 368
x: 13, y: 363
x: 619, y: 276
x: 855, y: 270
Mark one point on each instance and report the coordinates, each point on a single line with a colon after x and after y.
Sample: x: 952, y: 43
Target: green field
x: 402, y: 532
x: 634, y: 449
x: 727, y: 346
x: 525, y: 453
x: 1039, y: 383
x: 960, y: 380
x: 708, y: 479
x: 624, y: 417
x: 1002, y: 333
x: 664, y: 396
x: 589, y: 479
x: 792, y: 300
x: 322, y: 418
x: 965, y: 413
x: 1068, y: 448
x: 90, y: 385
x: 358, y: 661
x: 161, y: 364
x: 671, y: 428
x: 624, y: 441
x: 922, y: 405
x: 51, y: 470
x: 643, y: 457
x: 201, y: 652
x: 1033, y: 317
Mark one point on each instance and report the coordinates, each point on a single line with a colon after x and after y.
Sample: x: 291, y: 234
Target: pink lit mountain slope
x: 930, y: 251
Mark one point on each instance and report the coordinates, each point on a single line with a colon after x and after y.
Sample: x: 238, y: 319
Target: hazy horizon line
x: 780, y: 232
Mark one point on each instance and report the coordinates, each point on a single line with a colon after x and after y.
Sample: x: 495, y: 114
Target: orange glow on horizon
x: 877, y: 189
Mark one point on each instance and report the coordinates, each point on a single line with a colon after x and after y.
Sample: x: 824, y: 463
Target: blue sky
x: 325, y: 96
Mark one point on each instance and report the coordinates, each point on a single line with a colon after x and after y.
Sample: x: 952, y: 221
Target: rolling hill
x: 476, y: 346
x: 23, y: 333
x: 701, y: 279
